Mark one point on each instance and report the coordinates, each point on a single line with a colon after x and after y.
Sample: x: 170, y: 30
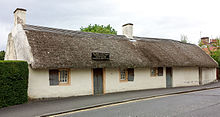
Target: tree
x: 99, y: 29
x: 216, y: 56
x: 215, y: 52
x: 184, y: 39
x: 2, y: 55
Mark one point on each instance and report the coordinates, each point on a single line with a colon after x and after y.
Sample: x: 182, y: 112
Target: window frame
x: 58, y: 75
x: 126, y: 75
x: 155, y: 73
x: 68, y: 77
x: 156, y: 69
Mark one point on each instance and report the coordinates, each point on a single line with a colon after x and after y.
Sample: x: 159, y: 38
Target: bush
x: 13, y: 83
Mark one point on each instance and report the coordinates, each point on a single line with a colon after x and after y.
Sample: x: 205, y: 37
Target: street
x: 196, y: 104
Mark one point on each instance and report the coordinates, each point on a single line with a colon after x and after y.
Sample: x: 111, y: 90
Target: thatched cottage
x: 71, y: 63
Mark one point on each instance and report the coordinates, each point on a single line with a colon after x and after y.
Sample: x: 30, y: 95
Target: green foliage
x: 13, y: 83
x: 216, y: 56
x: 99, y: 29
x: 2, y: 55
x: 215, y: 53
x: 200, y: 44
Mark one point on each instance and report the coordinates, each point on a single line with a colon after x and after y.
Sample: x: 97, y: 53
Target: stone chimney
x: 127, y: 30
x: 20, y: 16
x: 205, y: 40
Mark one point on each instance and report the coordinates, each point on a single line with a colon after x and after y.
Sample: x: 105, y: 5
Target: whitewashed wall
x: 38, y: 86
x: 185, y: 76
x: 18, y: 47
x: 82, y: 83
x: 208, y: 75
x: 142, y: 80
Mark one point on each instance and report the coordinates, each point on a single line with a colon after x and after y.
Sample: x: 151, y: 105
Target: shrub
x: 13, y: 83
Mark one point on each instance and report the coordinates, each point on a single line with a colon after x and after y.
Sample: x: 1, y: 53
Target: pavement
x: 52, y: 106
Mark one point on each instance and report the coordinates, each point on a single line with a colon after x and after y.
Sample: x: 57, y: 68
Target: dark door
x: 169, y: 77
x: 200, y: 75
x: 98, y: 81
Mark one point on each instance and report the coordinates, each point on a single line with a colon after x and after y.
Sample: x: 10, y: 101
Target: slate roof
x: 58, y: 48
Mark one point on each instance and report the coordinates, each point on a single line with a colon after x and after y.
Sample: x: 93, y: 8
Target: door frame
x: 103, y: 80
x: 171, y: 73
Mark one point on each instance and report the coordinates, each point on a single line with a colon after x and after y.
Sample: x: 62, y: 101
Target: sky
x: 151, y: 18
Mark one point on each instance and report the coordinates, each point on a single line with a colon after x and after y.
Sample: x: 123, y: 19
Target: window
x: 153, y: 71
x: 130, y: 74
x: 156, y: 71
x: 123, y: 74
x: 160, y: 71
x: 59, y: 77
x: 127, y: 74
x: 63, y: 77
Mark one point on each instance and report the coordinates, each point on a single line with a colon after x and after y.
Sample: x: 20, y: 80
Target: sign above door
x: 100, y: 56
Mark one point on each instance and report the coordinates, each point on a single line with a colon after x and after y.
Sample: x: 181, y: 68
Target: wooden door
x: 200, y: 75
x: 169, y: 77
x: 98, y: 81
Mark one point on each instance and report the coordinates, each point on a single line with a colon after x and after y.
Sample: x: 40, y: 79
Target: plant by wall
x: 2, y: 55
x: 13, y: 83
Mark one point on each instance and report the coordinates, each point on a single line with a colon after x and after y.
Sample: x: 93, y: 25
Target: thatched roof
x: 58, y: 48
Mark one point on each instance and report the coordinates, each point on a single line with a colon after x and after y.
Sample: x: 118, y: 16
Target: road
x: 196, y: 104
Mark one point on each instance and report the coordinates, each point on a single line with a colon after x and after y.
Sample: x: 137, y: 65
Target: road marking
x: 125, y: 102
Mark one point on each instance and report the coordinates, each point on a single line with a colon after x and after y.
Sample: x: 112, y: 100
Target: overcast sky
x: 151, y: 18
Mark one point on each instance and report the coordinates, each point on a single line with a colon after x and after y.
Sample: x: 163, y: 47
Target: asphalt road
x: 197, y: 104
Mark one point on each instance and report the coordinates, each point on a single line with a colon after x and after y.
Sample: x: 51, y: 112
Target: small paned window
x: 153, y: 71
x: 127, y: 74
x: 58, y: 77
x: 63, y: 76
x: 156, y: 71
x: 123, y: 74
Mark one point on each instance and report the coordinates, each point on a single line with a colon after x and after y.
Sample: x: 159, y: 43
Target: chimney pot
x: 205, y: 40
x: 127, y: 30
x: 20, y: 16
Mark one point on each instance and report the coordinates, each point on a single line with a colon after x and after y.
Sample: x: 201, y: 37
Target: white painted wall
x: 10, y: 49
x: 39, y: 87
x: 185, y: 76
x: 18, y: 43
x: 208, y: 75
x: 82, y: 83
x: 142, y: 80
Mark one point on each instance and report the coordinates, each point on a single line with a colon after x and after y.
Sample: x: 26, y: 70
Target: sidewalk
x: 37, y: 108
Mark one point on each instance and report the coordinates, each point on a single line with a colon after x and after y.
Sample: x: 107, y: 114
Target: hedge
x: 13, y: 83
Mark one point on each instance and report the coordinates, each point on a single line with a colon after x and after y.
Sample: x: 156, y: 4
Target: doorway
x: 98, y: 81
x: 169, y: 79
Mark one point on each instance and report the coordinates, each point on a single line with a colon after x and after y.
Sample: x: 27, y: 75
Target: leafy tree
x: 2, y: 55
x: 215, y: 52
x: 99, y: 29
x: 216, y: 56
x: 184, y: 39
